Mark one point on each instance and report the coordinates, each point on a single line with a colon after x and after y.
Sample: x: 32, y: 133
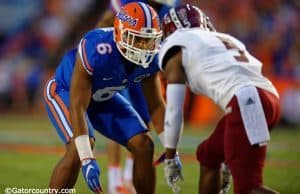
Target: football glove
x: 172, y: 173
x: 91, y: 173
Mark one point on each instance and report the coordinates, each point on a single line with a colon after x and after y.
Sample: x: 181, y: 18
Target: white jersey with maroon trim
x: 216, y: 64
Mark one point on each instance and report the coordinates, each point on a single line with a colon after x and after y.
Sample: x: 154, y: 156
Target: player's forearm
x: 155, y: 102
x: 173, y: 123
x: 79, y: 125
x: 157, y: 118
x: 80, y: 95
x: 77, y: 117
x: 79, y: 101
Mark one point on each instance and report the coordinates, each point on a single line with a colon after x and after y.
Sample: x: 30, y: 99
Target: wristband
x: 83, y: 147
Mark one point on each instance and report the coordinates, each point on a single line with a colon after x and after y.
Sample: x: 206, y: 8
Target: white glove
x: 173, y: 173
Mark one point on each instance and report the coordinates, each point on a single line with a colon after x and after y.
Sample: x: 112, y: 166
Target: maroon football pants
x: 229, y: 143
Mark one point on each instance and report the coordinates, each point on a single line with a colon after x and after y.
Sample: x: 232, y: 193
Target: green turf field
x: 29, y: 149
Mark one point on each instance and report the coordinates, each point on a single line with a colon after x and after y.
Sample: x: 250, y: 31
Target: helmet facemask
x: 139, y: 47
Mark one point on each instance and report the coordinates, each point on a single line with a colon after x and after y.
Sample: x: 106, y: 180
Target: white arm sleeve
x: 174, y: 114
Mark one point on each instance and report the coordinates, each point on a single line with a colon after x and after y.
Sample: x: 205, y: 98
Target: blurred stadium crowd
x: 34, y: 35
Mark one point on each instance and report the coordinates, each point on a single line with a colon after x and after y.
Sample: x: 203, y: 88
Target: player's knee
x: 208, y: 157
x: 145, y: 146
x: 141, y: 146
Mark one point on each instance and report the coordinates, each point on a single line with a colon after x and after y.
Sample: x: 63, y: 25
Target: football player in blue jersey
x: 118, y: 181
x: 83, y: 95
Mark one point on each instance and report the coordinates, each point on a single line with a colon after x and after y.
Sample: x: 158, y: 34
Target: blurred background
x: 35, y: 34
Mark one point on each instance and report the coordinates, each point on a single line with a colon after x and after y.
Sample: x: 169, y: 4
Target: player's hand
x: 173, y: 174
x: 91, y: 173
x: 162, y: 158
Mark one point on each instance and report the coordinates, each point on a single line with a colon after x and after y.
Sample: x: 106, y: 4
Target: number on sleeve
x: 104, y: 48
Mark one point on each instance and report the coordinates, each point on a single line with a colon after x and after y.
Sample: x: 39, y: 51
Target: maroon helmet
x: 185, y: 16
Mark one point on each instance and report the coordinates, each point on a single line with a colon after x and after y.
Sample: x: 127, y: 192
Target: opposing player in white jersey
x: 217, y: 65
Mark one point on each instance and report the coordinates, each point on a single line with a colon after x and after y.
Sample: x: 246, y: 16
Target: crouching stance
x: 219, y: 66
x: 83, y: 96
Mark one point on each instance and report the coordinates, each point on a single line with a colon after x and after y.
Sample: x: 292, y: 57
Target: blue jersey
x: 102, y: 60
x: 109, y: 113
x: 117, y: 4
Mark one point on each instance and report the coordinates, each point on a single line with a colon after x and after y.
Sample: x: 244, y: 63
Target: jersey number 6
x: 106, y: 93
